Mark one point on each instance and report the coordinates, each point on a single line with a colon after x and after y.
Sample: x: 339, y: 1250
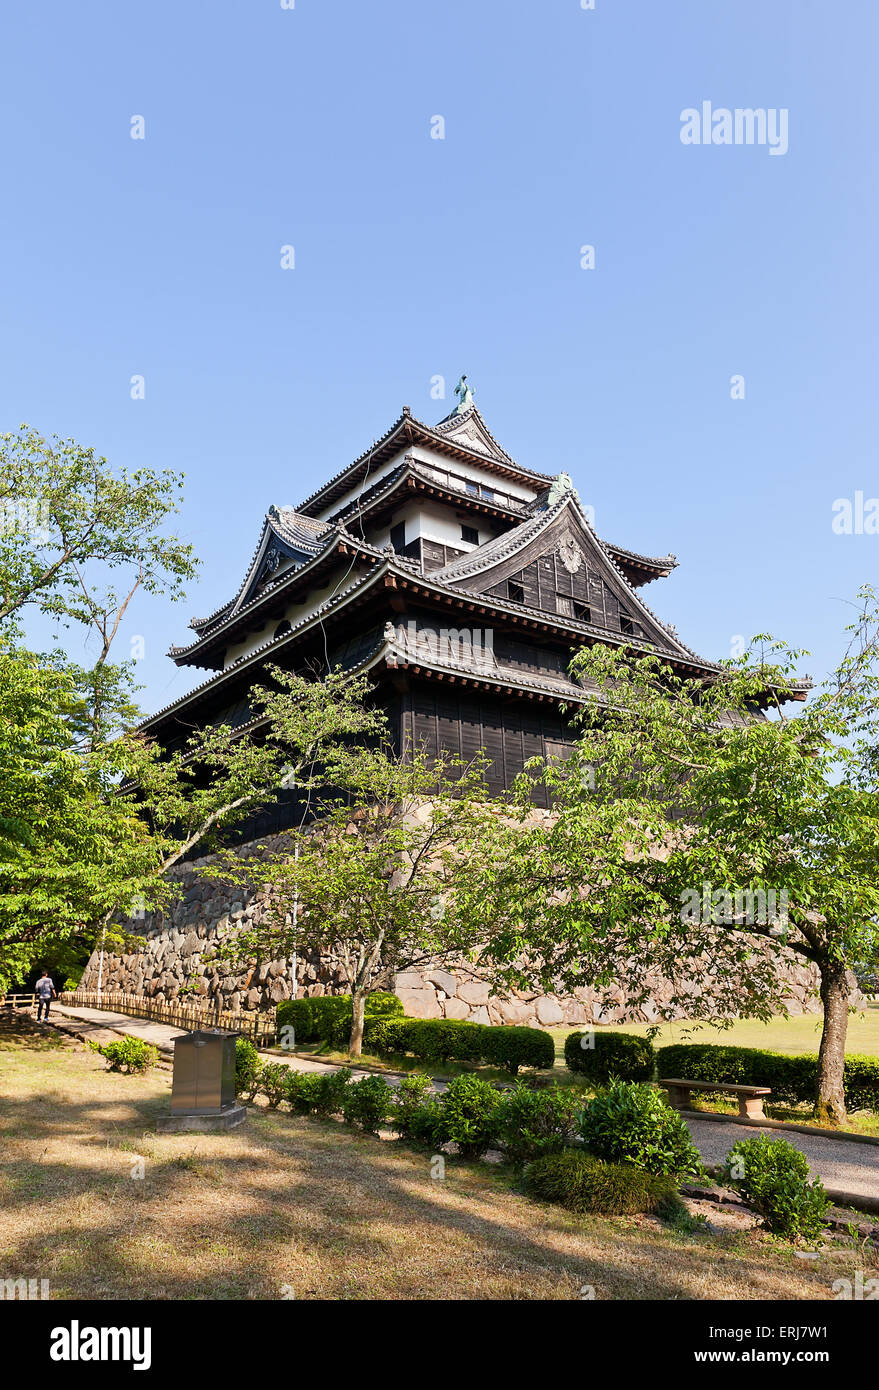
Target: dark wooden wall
x: 510, y: 730
x: 546, y: 578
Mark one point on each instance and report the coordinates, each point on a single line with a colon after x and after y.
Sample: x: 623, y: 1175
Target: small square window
x: 515, y: 591
x: 627, y: 624
x: 470, y: 535
x: 564, y: 605
x: 472, y: 489
x: 583, y: 612
x: 488, y: 493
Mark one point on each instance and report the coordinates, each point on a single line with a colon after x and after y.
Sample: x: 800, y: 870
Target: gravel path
x: 840, y: 1164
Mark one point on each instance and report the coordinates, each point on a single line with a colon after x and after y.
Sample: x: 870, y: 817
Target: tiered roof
x: 298, y: 549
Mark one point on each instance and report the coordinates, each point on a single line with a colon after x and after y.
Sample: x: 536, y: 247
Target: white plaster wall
x: 340, y: 579
x: 433, y: 521
x: 436, y: 460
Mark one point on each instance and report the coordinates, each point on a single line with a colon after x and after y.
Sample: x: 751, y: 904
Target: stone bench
x: 750, y: 1097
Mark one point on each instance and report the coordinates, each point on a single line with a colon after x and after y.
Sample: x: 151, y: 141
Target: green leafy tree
x: 69, y: 854
x: 373, y: 885
x: 78, y: 540
x: 696, y: 840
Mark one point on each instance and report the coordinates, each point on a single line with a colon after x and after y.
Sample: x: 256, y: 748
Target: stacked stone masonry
x: 173, y: 962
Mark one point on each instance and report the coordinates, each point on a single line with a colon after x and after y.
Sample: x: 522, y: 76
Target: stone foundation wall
x: 171, y: 961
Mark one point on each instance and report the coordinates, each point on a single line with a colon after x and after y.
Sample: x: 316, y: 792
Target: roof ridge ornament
x: 465, y: 392
x: 559, y: 487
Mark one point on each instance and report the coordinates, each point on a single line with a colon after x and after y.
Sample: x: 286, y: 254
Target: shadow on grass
x: 343, y: 1212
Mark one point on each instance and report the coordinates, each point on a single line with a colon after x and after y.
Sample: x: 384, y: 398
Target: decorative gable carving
x: 554, y: 562
x: 570, y: 554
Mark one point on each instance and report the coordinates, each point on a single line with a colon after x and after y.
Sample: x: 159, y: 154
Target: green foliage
x: 317, y: 1093
x: 529, y: 1122
x: 468, y: 1107
x: 440, y: 1040
x: 248, y: 1065
x: 302, y: 1091
x: 330, y: 1092
x: 774, y: 1179
x: 513, y: 1047
x: 410, y: 1096
x: 612, y: 1057
x: 778, y: 854
x: 69, y: 853
x: 791, y: 1078
x: 129, y: 1054
x: 367, y: 1103
x: 327, y: 1018
x: 379, y: 877
x: 417, y: 1114
x: 630, y: 1122
x: 424, y: 1125
x: 273, y: 1083
x: 583, y: 1183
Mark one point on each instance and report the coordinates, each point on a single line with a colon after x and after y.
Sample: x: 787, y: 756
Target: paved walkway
x: 96, y: 1023
x: 92, y: 1022
x: 843, y: 1166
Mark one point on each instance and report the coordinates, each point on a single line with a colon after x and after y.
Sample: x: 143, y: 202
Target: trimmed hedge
x: 614, y: 1057
x: 448, y: 1040
x: 327, y: 1018
x: 790, y: 1078
x: 583, y: 1183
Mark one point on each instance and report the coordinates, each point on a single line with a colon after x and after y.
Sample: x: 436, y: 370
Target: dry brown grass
x: 312, y: 1206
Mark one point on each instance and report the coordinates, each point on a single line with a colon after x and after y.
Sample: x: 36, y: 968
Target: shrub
x: 327, y: 1018
x: 583, y: 1183
x: 630, y: 1122
x: 529, y: 1123
x: 410, y: 1097
x: 247, y: 1068
x: 773, y: 1178
x: 367, y: 1103
x: 301, y: 1090
x: 129, y: 1054
x: 514, y: 1047
x: 318, y: 1093
x: 614, y: 1057
x: 424, y: 1124
x: 330, y: 1091
x: 384, y: 1036
x: 273, y: 1083
x: 439, y: 1040
x: 861, y: 1082
x: 790, y: 1078
x: 468, y: 1108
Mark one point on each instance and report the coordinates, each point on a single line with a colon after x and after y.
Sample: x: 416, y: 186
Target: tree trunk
x: 830, y: 1094
x: 358, y: 1006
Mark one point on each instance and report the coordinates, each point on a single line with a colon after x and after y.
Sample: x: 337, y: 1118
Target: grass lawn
x: 294, y: 1206
x: 801, y: 1033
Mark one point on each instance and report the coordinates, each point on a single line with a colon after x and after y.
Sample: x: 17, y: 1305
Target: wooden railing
x: 259, y: 1027
x: 18, y: 1001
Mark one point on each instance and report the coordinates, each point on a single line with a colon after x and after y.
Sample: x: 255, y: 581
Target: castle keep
x: 461, y: 581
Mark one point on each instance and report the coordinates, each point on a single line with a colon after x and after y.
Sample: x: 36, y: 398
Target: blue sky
x: 414, y: 256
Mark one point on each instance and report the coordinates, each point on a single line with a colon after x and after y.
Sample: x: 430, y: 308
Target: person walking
x: 45, y: 992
